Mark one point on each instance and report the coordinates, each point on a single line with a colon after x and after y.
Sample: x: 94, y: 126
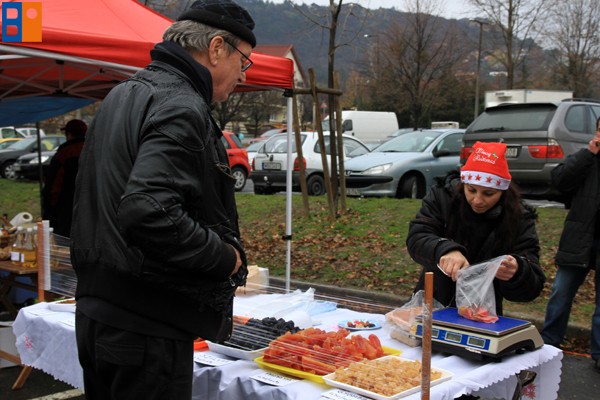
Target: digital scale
x: 452, y: 333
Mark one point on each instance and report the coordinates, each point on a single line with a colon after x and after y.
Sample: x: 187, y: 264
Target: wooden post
x: 340, y: 144
x: 41, y: 261
x: 326, y: 176
x: 426, y: 340
x: 301, y: 168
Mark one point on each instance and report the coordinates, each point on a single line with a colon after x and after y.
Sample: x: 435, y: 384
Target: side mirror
x: 441, y: 152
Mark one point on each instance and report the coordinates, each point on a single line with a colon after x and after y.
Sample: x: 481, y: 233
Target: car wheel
x: 8, y: 170
x: 240, y: 178
x: 410, y: 188
x: 316, y: 185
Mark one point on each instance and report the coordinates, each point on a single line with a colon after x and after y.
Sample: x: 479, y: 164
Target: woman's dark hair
x: 512, y: 212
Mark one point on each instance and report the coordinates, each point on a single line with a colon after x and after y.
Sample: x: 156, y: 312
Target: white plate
x: 61, y: 306
x: 344, y: 324
x: 330, y: 380
x: 235, y: 353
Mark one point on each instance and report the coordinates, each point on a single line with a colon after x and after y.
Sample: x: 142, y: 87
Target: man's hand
x: 238, y: 261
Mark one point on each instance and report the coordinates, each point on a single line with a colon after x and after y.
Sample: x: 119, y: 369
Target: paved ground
x: 579, y: 381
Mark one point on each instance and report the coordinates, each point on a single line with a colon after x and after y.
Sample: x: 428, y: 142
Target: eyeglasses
x: 246, y: 62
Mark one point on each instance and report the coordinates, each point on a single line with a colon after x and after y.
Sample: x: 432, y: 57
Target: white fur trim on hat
x: 484, y: 179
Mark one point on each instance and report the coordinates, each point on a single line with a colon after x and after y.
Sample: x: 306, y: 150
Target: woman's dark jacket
x: 579, y: 177
x: 155, y: 217
x: 428, y: 240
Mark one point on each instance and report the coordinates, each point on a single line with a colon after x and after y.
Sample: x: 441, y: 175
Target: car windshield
x: 514, y: 119
x: 278, y: 144
x: 254, y: 146
x: 22, y: 144
x: 235, y: 139
x: 416, y: 141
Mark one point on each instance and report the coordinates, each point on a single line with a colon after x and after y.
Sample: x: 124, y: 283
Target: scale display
x: 455, y: 334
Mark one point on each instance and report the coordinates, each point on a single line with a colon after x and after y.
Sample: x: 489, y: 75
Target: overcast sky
x: 452, y: 8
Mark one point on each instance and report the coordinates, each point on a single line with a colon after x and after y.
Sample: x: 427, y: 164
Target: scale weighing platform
x: 452, y: 333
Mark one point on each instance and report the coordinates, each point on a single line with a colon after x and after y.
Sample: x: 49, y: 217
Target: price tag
x: 273, y: 379
x: 339, y: 394
x: 209, y: 359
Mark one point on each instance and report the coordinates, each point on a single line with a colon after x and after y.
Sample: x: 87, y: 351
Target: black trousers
x: 121, y: 365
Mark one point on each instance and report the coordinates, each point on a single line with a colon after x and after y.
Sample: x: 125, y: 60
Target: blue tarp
x: 34, y: 109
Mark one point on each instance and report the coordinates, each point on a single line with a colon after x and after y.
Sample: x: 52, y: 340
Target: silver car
x: 405, y: 166
x: 538, y: 136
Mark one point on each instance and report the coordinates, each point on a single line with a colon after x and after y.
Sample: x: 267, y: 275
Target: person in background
x: 578, y: 176
x: 473, y: 217
x: 155, y: 238
x: 59, y: 181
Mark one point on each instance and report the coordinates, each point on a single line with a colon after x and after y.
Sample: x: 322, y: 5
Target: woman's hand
x: 452, y: 262
x: 508, y: 268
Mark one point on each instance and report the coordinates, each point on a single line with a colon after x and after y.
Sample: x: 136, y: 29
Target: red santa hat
x: 487, y: 166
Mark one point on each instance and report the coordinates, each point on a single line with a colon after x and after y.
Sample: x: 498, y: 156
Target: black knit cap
x: 223, y: 14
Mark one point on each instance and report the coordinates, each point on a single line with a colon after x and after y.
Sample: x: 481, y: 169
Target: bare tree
x: 339, y: 18
x: 259, y: 107
x: 226, y: 111
x: 576, y: 34
x: 517, y: 22
x: 418, y: 55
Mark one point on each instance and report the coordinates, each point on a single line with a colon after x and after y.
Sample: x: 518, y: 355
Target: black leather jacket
x: 428, y: 239
x: 155, y: 217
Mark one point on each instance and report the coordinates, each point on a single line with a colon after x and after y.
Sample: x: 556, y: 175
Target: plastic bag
x: 475, y: 296
x: 401, y: 320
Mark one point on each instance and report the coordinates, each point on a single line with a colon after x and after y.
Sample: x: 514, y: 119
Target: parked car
x: 28, y: 131
x: 238, y: 159
x: 9, y: 155
x: 266, y: 135
x: 4, y: 143
x: 270, y: 163
x: 28, y: 165
x: 538, y: 136
x: 404, y: 167
x: 252, y: 149
x: 10, y: 132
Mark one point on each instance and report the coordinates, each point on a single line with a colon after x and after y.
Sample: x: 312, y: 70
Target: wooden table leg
x: 22, y: 377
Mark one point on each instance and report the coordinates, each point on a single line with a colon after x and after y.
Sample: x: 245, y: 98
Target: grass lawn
x: 364, y: 248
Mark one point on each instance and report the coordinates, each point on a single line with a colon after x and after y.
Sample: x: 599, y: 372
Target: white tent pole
x: 288, y: 195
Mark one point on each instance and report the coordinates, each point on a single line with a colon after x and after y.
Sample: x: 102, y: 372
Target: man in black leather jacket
x: 155, y: 238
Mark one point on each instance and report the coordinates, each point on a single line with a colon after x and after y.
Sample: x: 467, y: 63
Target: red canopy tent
x: 87, y: 47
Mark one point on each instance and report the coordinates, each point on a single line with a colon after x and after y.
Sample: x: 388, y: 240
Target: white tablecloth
x: 46, y: 340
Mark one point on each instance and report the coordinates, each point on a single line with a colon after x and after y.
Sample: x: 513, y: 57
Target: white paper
x: 273, y: 379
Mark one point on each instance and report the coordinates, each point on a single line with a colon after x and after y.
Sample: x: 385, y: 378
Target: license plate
x: 512, y: 152
x: 16, y: 167
x: 271, y: 165
x: 352, y: 192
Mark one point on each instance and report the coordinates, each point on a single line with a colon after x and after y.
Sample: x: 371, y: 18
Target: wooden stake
x: 426, y: 340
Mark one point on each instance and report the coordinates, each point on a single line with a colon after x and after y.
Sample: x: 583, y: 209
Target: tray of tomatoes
x: 312, y: 352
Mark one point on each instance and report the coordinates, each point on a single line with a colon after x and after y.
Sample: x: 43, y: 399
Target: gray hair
x: 194, y: 36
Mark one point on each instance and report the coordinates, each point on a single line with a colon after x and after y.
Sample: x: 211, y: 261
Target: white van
x: 445, y: 124
x: 367, y: 126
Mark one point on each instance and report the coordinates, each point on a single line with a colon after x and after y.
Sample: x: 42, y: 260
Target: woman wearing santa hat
x: 473, y: 216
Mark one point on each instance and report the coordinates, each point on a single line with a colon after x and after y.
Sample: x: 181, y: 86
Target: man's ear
x: 216, y: 50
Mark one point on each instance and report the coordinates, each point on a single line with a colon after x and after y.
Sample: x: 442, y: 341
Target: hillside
x: 282, y: 24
